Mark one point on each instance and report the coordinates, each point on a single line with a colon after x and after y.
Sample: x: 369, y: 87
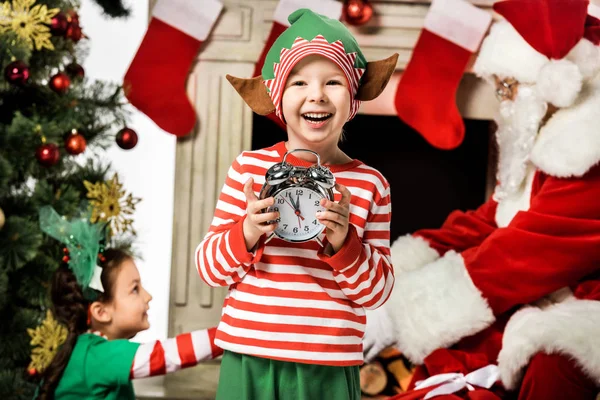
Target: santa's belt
x: 453, y: 382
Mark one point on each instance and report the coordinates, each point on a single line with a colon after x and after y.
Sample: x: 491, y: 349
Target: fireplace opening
x: 426, y: 183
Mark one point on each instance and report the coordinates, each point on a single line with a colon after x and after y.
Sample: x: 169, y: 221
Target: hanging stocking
x: 155, y: 82
x: 426, y: 95
x: 329, y: 8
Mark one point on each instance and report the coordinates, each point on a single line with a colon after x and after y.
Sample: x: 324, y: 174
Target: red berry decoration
x: 357, y: 12
x: 47, y: 154
x: 74, y: 29
x: 75, y: 71
x: 127, y: 138
x: 60, y: 83
x: 75, y: 143
x: 59, y: 24
x: 17, y: 73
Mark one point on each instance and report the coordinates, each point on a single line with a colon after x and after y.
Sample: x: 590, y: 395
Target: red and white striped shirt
x: 164, y: 356
x: 289, y: 301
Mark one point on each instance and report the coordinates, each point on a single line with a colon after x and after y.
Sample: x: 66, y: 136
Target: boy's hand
x: 255, y: 224
x: 336, y: 218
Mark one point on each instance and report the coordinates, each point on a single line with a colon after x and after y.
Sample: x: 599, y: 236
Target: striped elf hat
x: 314, y: 34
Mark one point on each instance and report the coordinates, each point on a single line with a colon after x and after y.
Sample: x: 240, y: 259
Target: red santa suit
x: 515, y: 284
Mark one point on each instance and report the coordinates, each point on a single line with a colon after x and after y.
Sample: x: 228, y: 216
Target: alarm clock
x: 298, y: 192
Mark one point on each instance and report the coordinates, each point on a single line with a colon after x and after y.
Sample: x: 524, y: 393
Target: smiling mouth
x: 317, y: 117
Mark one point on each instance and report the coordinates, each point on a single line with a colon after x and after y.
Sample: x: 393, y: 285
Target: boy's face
x: 316, y: 102
x: 130, y: 302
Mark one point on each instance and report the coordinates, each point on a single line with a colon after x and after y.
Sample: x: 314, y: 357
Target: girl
x: 294, y: 318
x: 102, y: 307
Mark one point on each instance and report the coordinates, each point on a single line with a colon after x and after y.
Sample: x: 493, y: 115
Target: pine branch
x: 19, y: 242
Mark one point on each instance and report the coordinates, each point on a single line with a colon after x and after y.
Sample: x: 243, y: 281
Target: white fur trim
x: 569, y: 144
x: 329, y: 8
x: 571, y: 328
x: 459, y: 22
x: 194, y: 18
x: 587, y: 57
x: 436, y: 306
x: 505, y: 53
x: 411, y: 252
x: 559, y: 83
x: 594, y: 10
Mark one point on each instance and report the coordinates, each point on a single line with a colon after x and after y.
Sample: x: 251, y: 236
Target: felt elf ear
x: 376, y: 77
x: 254, y: 93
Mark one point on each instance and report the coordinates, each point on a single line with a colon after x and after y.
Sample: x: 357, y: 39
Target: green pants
x: 244, y: 377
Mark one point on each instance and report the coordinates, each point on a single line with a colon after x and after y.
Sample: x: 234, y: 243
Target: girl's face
x: 316, y: 103
x: 130, y: 303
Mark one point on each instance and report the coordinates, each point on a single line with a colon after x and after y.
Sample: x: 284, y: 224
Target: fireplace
x: 426, y: 183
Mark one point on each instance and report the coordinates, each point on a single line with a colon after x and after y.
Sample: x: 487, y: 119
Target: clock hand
x: 295, y: 205
x: 291, y: 205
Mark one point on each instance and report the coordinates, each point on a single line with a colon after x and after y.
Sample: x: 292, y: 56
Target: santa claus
x: 505, y: 300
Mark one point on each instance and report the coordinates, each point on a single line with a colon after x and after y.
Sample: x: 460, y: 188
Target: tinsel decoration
x: 45, y: 339
x: 29, y: 21
x: 110, y: 203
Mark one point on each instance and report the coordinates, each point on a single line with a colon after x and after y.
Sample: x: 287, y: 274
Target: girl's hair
x: 71, y: 309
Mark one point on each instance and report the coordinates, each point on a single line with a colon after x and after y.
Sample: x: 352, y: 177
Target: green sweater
x: 98, y: 369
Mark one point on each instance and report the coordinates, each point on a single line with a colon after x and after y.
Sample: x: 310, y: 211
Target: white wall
x: 148, y: 169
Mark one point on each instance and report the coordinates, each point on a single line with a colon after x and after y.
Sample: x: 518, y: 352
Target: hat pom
x: 559, y: 83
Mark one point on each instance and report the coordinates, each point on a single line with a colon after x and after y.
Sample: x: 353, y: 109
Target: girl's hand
x: 255, y: 224
x: 336, y: 218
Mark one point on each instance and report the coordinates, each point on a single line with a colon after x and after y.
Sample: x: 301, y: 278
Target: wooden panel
x: 223, y: 131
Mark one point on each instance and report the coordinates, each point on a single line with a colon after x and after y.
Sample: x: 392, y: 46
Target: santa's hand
x: 380, y: 332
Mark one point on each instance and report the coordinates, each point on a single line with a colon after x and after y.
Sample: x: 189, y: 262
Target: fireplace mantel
x: 224, y: 129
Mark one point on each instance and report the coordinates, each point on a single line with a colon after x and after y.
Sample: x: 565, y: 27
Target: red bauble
x: 17, y: 73
x: 75, y: 71
x: 60, y: 83
x: 75, y: 143
x: 47, y: 154
x: 59, y: 24
x: 357, y: 12
x: 74, y: 33
x: 74, y: 30
x: 32, y: 372
x: 127, y: 138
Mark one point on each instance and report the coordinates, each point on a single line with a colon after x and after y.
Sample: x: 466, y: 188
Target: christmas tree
x: 51, y: 118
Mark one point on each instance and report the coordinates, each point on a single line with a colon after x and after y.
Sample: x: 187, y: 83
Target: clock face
x: 297, y: 208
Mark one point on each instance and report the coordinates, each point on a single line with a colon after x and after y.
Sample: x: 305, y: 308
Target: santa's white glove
x: 380, y: 332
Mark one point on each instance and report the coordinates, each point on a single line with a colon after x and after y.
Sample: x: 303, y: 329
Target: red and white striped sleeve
x: 163, y: 356
x: 222, y: 258
x: 362, y: 267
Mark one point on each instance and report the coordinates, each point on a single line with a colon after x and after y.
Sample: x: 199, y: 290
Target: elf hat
x: 542, y: 42
x: 314, y: 34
